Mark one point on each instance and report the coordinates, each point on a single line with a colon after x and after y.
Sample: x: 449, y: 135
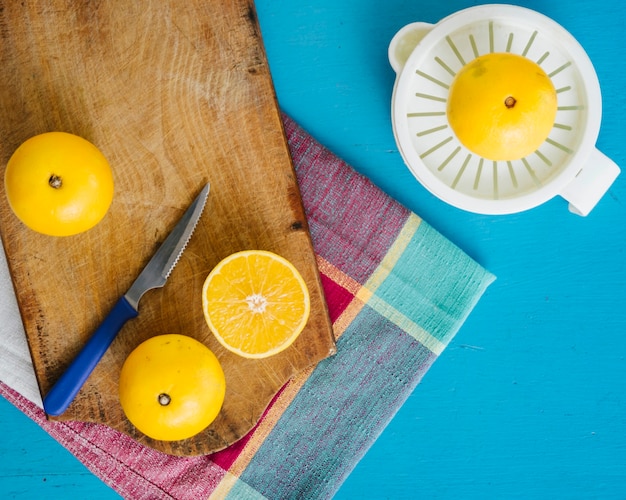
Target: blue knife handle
x: 65, y: 389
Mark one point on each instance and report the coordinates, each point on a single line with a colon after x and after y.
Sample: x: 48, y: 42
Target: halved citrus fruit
x: 502, y: 106
x: 171, y: 387
x: 58, y: 184
x: 255, y: 303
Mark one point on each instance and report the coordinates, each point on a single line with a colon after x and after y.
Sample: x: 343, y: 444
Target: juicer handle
x: 403, y: 43
x: 591, y: 183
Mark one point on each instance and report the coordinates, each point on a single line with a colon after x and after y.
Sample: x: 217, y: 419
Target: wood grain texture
x: 175, y: 94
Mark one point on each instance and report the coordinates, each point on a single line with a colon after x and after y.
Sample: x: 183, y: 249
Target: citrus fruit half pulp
x: 255, y: 303
x: 502, y: 106
x: 171, y: 387
x: 58, y: 184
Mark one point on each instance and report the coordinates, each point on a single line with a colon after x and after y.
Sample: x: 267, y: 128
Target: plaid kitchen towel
x: 397, y: 293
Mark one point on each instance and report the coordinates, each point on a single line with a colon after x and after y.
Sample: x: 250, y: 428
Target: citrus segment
x: 171, y: 387
x: 58, y: 184
x: 502, y: 106
x: 256, y: 303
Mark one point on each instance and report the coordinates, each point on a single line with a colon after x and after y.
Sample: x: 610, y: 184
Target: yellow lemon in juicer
x: 502, y: 106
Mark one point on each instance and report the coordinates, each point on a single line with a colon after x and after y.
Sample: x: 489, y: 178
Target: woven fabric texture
x: 397, y: 292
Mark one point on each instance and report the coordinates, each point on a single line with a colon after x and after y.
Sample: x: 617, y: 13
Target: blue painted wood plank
x: 33, y: 465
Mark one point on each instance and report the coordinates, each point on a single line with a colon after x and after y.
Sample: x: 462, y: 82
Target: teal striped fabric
x: 397, y: 292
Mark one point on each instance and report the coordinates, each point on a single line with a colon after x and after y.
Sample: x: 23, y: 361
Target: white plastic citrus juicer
x: 426, y: 58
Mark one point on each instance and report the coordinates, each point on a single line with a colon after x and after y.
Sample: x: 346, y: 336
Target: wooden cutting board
x: 175, y: 94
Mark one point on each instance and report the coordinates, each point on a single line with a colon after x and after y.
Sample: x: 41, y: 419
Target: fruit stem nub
x: 164, y: 399
x: 510, y: 101
x: 55, y: 181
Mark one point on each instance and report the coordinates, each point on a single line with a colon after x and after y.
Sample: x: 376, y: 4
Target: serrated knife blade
x: 153, y: 275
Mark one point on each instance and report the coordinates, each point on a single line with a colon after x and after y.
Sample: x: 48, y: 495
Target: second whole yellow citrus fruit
x: 256, y: 303
x: 59, y: 184
x: 171, y: 387
x: 502, y: 106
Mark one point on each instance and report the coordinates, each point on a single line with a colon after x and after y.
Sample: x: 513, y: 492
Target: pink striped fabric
x: 397, y: 294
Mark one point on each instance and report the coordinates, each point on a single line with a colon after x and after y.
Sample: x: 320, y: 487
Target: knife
x: 154, y: 275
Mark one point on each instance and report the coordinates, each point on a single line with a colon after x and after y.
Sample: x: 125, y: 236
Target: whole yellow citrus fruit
x: 255, y: 303
x: 171, y: 387
x: 502, y: 106
x: 58, y: 184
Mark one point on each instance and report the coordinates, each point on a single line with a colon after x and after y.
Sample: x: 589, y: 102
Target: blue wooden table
x: 529, y: 400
